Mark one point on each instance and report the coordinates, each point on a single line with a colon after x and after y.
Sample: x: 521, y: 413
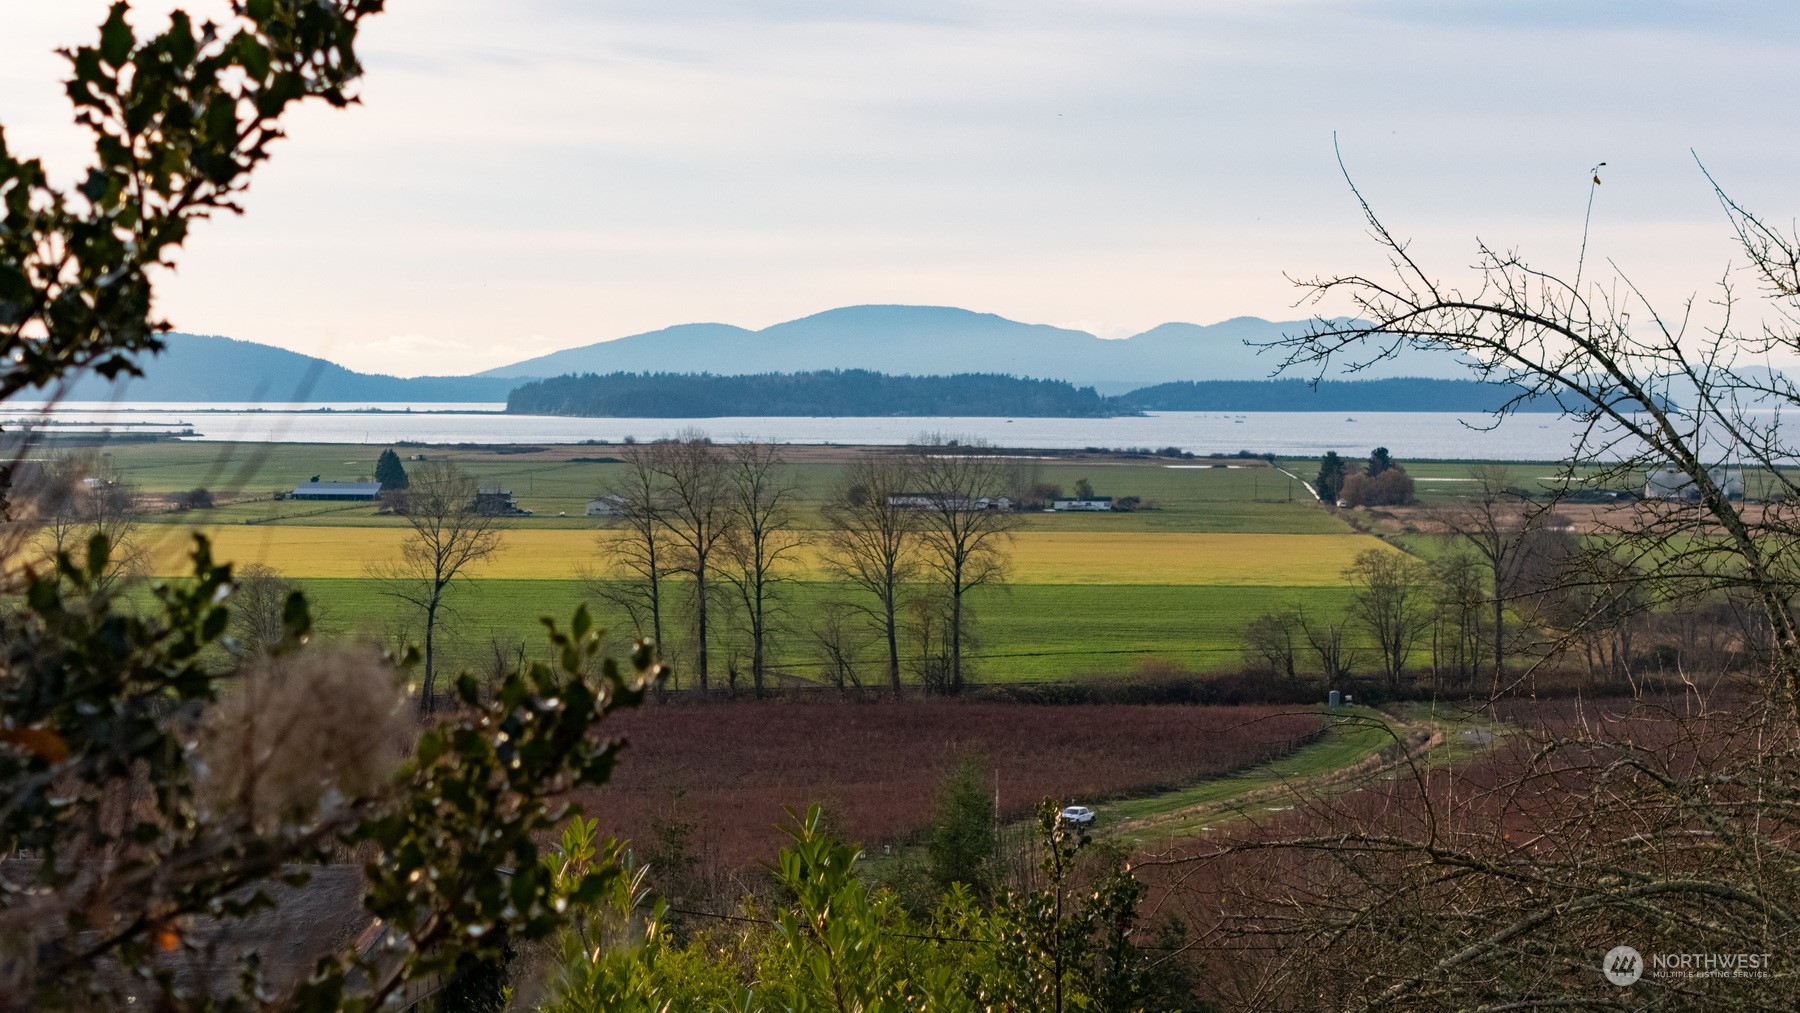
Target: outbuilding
x: 1092, y: 503
x: 337, y: 490
x: 606, y: 506
x: 1672, y: 483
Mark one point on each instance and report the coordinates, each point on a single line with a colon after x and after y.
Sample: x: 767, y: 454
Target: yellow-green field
x: 1037, y: 557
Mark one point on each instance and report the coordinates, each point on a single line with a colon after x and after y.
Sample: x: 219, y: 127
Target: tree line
x: 705, y: 536
x: 1407, y: 394
x: 1508, y: 585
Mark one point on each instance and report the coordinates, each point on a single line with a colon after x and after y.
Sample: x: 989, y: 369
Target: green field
x: 1023, y: 633
x: 1174, y: 582
x: 1177, y: 496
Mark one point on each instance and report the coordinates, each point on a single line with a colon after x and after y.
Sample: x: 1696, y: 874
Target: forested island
x: 848, y: 392
x: 857, y: 392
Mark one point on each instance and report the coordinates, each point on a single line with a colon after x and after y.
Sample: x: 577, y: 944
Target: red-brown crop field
x: 1520, y: 818
x: 878, y: 765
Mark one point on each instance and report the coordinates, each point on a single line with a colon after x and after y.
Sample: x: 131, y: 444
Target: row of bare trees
x: 908, y: 535
x: 1510, y: 589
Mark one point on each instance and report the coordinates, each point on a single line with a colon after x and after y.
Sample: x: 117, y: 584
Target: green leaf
x: 251, y: 54
x: 115, y: 38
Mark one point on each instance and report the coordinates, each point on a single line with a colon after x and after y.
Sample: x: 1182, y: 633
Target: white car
x: 1079, y: 815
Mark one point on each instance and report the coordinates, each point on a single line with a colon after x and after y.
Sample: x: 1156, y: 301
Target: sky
x: 539, y: 174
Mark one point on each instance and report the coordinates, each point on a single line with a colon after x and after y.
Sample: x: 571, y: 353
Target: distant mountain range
x: 199, y: 368
x: 940, y: 340
x: 898, y: 340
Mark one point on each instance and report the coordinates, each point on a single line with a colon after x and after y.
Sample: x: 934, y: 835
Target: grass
x: 1037, y: 557
x: 1352, y: 734
x: 1023, y: 633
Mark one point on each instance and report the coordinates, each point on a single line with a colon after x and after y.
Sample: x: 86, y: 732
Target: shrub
x: 1393, y: 487
x: 194, y: 499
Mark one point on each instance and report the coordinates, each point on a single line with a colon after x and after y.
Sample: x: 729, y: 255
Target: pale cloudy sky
x: 536, y: 174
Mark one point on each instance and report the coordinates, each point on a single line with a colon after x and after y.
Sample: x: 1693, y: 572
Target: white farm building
x: 337, y: 490
x: 1670, y: 483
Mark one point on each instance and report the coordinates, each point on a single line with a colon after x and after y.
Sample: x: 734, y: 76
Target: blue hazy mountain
x: 940, y: 340
x: 895, y: 340
x: 200, y: 368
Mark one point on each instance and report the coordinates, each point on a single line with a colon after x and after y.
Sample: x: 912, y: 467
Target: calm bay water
x: 1414, y: 435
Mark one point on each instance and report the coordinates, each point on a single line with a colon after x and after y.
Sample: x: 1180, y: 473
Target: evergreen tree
x: 1331, y: 477
x: 1380, y: 461
x: 390, y: 472
x: 961, y: 847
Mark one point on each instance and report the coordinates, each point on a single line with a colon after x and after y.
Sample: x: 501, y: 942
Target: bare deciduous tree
x: 759, y: 540
x: 1392, y: 604
x: 1653, y: 391
x: 1330, y: 643
x: 450, y: 533
x: 873, y: 540
x: 963, y: 531
x: 840, y: 634
x: 1456, y: 629
x: 69, y: 498
x: 696, y: 517
x: 258, y: 606
x: 637, y: 547
x: 1671, y: 825
x: 1492, y: 522
x: 1272, y: 640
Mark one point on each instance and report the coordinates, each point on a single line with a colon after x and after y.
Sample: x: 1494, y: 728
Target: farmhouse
x: 606, y: 506
x: 1091, y: 503
x: 496, y: 502
x: 316, y: 489
x: 1669, y: 483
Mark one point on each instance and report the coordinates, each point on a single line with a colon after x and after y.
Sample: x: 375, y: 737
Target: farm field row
x: 1213, y: 516
x: 576, y: 473
x: 556, y: 483
x: 1025, y: 632
x: 877, y: 765
x: 1038, y: 557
